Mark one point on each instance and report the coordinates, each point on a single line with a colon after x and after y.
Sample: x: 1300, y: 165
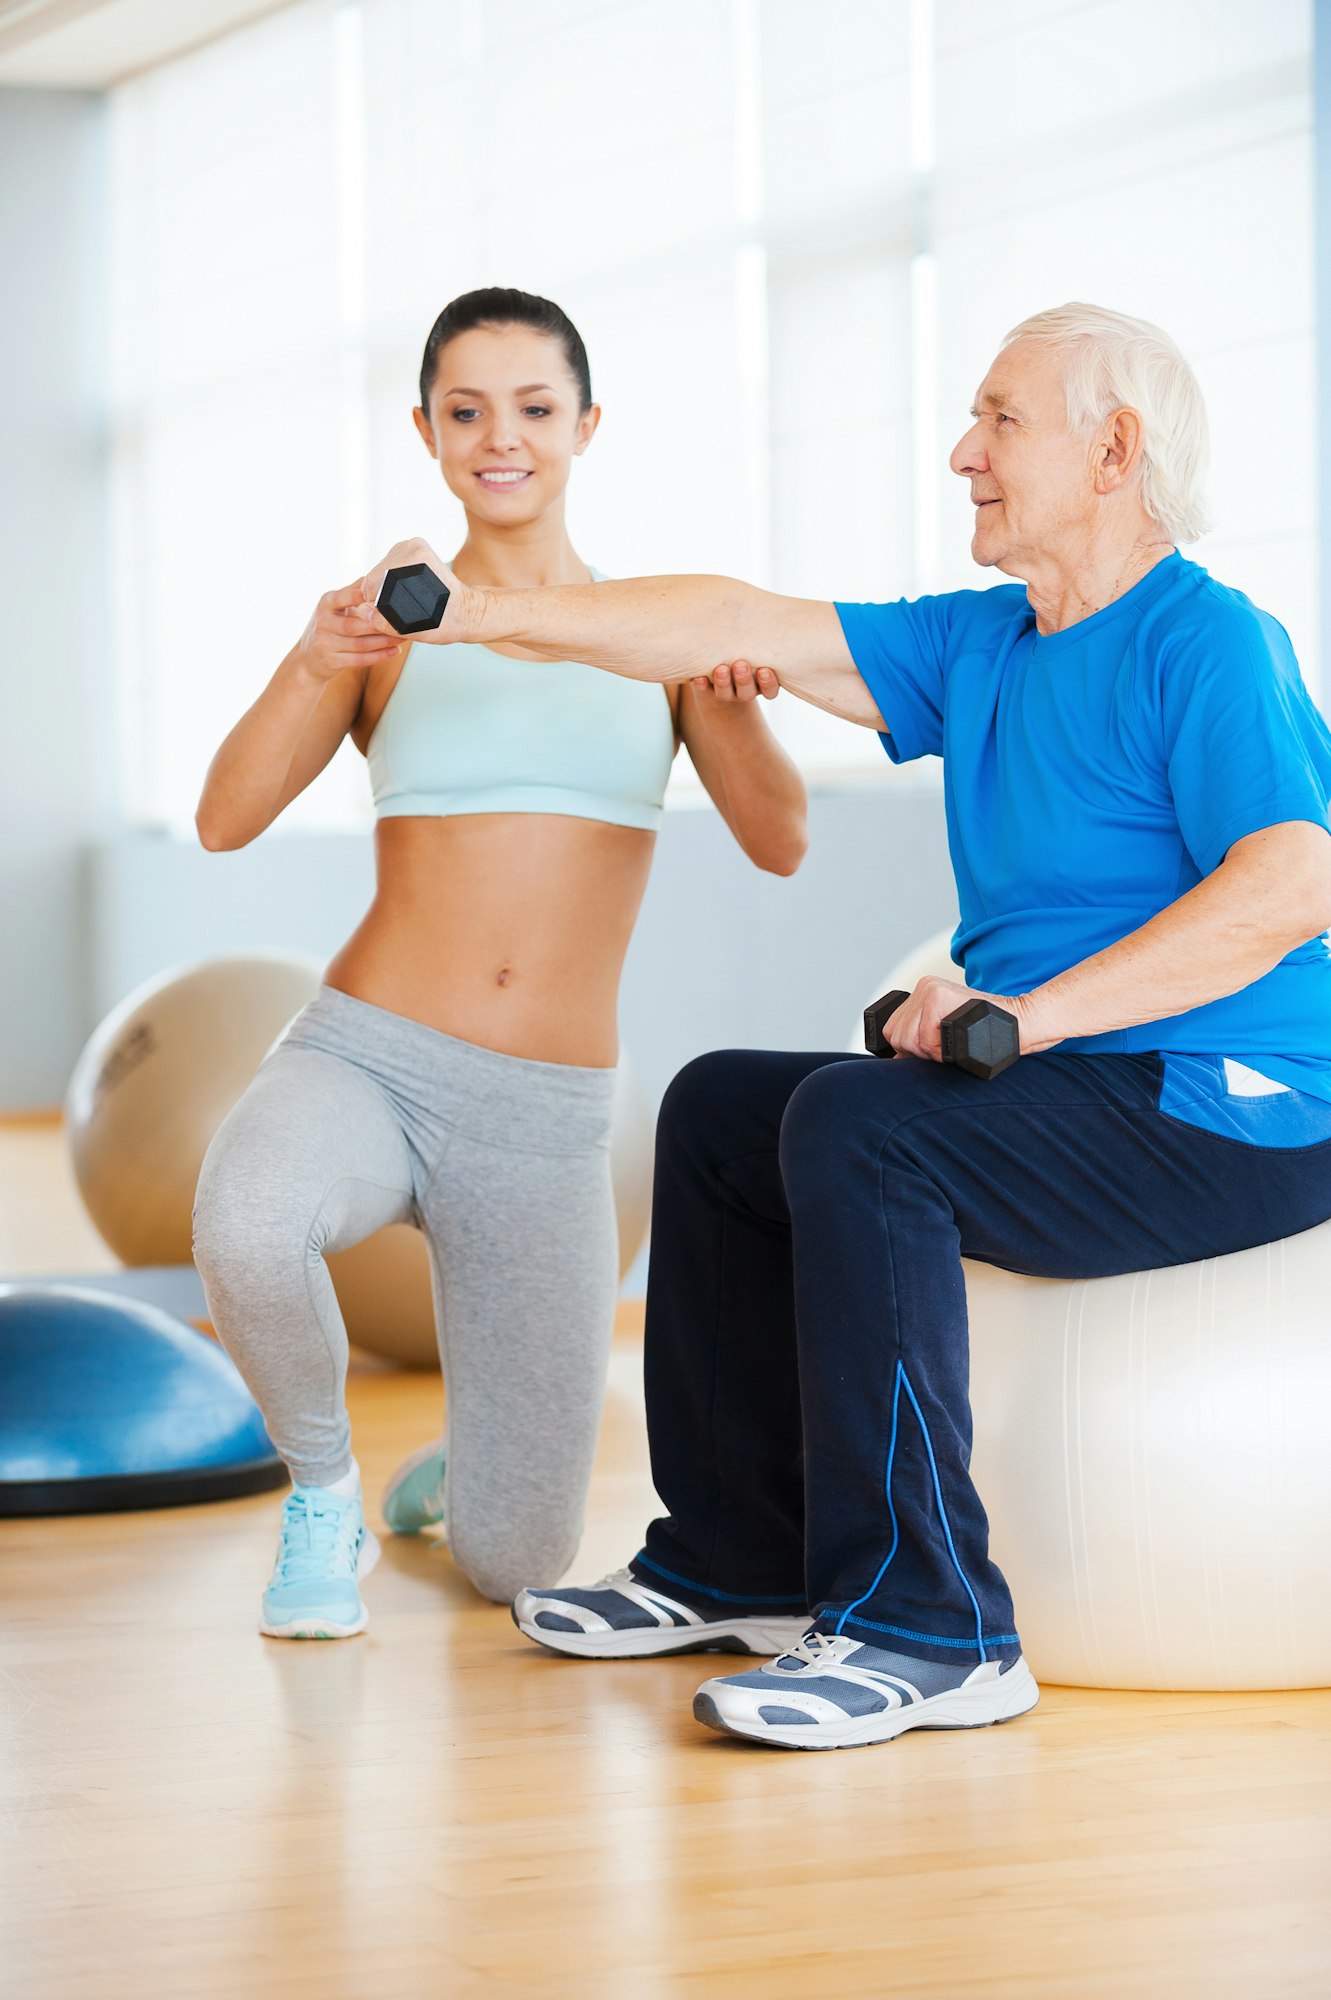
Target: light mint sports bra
x: 466, y: 730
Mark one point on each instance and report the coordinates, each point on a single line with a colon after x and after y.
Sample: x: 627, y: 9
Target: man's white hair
x: 1113, y: 362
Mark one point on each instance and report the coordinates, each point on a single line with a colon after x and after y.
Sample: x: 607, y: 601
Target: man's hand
x: 914, y: 1030
x: 735, y: 682
x: 463, y: 614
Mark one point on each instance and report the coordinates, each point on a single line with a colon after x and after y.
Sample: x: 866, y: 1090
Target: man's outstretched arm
x: 655, y: 628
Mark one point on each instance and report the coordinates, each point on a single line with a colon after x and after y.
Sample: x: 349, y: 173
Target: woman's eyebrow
x: 528, y: 389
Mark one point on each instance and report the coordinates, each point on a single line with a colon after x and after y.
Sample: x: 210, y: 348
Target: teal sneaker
x: 324, y: 1548
x: 414, y: 1496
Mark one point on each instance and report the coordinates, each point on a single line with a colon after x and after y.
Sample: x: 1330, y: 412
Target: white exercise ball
x: 384, y: 1286
x: 155, y: 1081
x: 1149, y: 1451
x: 932, y: 959
x: 632, y: 1152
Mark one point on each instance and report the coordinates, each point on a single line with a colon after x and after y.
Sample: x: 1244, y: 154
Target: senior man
x: 1137, y: 787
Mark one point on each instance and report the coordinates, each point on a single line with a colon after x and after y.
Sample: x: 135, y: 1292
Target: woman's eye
x: 536, y: 410
x: 463, y: 416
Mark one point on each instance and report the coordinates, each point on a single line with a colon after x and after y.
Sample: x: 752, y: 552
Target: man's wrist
x: 482, y: 617
x: 1037, y: 1022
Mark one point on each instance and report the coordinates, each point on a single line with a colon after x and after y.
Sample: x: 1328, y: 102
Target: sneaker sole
x: 310, y: 1625
x: 962, y: 1708
x: 400, y: 1478
x: 763, y: 1641
x: 315, y: 1628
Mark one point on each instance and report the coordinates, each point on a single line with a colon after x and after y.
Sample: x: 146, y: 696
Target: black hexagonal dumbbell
x: 978, y: 1037
x: 412, y: 599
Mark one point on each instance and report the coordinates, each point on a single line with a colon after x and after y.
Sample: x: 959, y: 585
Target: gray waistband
x: 507, y: 1099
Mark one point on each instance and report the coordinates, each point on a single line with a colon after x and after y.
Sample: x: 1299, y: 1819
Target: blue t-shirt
x: 1093, y: 776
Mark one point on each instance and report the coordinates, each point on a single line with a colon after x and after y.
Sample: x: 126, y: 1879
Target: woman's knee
x: 503, y: 1556
x: 223, y: 1212
x: 240, y: 1222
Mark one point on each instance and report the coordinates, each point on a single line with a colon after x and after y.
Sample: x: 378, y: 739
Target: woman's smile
x: 503, y: 479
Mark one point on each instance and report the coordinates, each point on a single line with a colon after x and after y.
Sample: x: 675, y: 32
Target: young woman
x: 457, y: 1068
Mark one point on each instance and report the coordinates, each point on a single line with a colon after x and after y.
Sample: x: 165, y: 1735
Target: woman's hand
x: 914, y: 1030
x: 462, y: 614
x: 735, y: 682
x: 337, y: 638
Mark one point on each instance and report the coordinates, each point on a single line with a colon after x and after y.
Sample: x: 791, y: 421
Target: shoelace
x: 311, y: 1528
x: 815, y: 1649
x: 616, y: 1580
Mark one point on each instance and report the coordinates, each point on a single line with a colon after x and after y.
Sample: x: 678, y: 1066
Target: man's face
x: 1030, y: 478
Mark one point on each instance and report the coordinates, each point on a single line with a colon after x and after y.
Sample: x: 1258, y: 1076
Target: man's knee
x: 725, y: 1103
x: 694, y: 1092
x: 842, y: 1112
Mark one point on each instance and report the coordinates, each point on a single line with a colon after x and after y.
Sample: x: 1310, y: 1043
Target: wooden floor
x: 437, y: 1809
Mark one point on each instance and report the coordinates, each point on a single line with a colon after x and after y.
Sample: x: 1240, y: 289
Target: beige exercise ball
x: 161, y: 1073
x: 932, y: 959
x: 1150, y: 1452
x: 155, y: 1081
x: 383, y: 1284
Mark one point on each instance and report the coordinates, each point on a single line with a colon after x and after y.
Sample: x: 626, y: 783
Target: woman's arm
x: 1271, y: 893
x: 654, y: 628
x: 754, y: 785
x: 292, y: 731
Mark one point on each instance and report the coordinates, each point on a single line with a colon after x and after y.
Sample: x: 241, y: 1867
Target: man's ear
x: 1118, y: 448
x: 426, y: 429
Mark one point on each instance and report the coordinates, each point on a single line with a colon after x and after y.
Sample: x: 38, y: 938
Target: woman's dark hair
x: 501, y: 305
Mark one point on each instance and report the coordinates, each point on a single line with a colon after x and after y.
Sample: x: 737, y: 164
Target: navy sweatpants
x: 807, y: 1349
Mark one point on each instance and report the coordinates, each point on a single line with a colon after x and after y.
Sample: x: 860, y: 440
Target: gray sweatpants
x: 360, y: 1118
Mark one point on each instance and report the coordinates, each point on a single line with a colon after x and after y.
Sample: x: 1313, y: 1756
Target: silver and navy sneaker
x: 831, y: 1693
x: 622, y: 1618
x: 414, y: 1496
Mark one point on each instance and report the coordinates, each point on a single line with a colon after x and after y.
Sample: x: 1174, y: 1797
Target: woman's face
x: 504, y: 422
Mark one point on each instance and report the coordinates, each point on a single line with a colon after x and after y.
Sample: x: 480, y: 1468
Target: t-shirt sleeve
x: 900, y: 651
x: 1246, y: 748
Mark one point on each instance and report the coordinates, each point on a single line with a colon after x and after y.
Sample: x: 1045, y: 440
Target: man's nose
x: 968, y: 454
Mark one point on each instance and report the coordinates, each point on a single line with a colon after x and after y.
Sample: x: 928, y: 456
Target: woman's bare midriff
x: 505, y: 929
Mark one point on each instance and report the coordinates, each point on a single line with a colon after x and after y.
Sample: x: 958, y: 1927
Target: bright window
x: 791, y: 239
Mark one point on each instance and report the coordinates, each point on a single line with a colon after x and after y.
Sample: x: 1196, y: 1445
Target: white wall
x: 56, y: 760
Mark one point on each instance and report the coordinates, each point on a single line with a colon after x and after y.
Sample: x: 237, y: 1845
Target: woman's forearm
x: 1272, y: 893
x: 755, y: 784
x: 247, y: 777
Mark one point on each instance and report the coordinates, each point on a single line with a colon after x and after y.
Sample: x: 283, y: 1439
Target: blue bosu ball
x: 106, y: 1403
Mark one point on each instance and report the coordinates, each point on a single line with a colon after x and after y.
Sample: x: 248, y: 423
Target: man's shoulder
x: 1207, y: 641
x: 998, y: 605
x: 1199, y: 608
x: 985, y: 610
